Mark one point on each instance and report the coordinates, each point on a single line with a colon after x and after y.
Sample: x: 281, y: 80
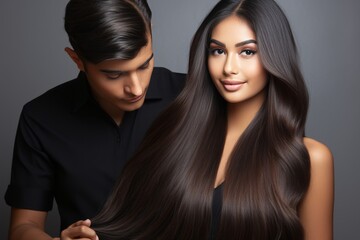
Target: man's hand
x: 79, y: 230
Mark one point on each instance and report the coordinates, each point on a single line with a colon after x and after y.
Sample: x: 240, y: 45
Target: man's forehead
x: 142, y: 58
x: 126, y: 65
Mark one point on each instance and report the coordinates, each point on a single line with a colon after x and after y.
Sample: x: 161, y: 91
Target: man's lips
x: 135, y: 99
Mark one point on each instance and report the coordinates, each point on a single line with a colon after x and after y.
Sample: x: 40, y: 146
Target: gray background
x: 32, y: 60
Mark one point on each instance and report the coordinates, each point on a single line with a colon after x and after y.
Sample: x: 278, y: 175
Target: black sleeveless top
x: 216, y: 210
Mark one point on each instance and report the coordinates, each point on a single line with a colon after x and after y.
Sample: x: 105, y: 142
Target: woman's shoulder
x: 316, y: 209
x: 320, y: 154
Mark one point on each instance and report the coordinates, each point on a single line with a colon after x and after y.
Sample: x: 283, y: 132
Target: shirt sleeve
x: 32, y: 172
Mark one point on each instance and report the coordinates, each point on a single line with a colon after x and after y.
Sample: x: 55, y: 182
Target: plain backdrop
x: 32, y: 60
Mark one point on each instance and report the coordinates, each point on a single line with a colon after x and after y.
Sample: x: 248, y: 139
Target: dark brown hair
x: 101, y: 30
x: 166, y: 189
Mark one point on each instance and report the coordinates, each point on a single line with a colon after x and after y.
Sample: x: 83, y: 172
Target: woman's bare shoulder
x: 316, y: 210
x: 320, y: 154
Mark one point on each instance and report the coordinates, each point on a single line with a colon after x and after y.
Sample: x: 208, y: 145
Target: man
x: 73, y: 141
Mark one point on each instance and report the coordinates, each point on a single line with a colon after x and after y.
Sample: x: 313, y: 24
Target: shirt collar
x: 154, y: 90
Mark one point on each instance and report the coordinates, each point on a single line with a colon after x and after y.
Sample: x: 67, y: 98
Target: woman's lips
x: 232, y: 85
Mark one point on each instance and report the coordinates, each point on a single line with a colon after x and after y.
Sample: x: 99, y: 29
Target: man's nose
x: 133, y: 85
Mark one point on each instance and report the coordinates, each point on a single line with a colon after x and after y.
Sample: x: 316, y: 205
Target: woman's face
x: 234, y: 63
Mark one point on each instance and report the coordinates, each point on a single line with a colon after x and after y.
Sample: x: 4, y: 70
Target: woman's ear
x: 75, y: 57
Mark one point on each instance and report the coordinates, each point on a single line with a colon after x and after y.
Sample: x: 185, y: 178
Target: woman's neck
x: 241, y: 114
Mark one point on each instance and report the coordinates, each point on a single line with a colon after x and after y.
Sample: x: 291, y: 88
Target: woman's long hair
x: 166, y: 189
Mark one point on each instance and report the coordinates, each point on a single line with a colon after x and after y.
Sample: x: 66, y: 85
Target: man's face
x: 121, y: 85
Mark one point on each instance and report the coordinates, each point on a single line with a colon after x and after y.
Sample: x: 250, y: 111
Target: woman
x: 228, y: 159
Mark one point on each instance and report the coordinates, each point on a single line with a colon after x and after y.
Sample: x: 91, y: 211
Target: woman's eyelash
x: 248, y: 52
x: 216, y: 51
x: 219, y: 51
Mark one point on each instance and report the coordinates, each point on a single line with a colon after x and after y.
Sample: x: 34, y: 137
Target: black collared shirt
x: 68, y: 148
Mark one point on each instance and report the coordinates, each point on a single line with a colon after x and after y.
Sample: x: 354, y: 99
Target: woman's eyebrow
x: 236, y: 45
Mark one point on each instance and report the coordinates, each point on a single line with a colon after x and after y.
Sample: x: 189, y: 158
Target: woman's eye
x: 247, y: 52
x: 217, y: 51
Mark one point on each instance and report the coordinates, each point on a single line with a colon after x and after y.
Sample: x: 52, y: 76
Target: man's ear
x: 75, y: 57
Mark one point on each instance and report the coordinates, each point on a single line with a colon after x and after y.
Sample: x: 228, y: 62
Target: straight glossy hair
x: 101, y: 30
x: 166, y: 189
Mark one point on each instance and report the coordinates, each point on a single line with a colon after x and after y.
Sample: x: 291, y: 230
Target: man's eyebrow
x: 236, y: 45
x: 111, y: 71
x: 147, y: 61
x: 121, y: 72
